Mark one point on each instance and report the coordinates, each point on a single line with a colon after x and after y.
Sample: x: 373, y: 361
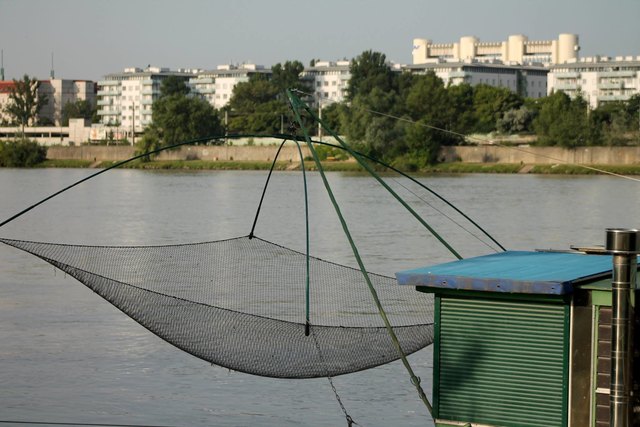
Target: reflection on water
x: 68, y: 356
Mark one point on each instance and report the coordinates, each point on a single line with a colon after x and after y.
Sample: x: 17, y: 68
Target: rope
x: 264, y: 189
x: 415, y: 181
x: 350, y: 421
x: 403, y: 119
x: 124, y: 162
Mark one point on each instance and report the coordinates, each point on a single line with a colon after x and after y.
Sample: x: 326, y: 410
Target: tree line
x: 395, y: 116
x: 406, y: 118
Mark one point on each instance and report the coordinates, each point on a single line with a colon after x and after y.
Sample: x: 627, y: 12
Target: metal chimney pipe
x: 624, y: 244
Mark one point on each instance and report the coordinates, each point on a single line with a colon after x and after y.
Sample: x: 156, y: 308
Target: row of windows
x: 326, y: 83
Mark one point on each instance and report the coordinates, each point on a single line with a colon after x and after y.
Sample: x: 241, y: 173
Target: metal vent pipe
x: 624, y: 244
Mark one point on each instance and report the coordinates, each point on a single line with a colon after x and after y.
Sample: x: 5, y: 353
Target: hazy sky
x: 93, y: 38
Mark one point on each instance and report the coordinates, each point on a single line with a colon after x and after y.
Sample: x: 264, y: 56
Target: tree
x: 179, y: 118
x: 22, y: 153
x: 81, y: 109
x: 490, y: 103
x: 259, y: 105
x: 515, y: 120
x: 254, y: 106
x: 374, y: 134
x: 368, y: 71
x: 24, y: 102
x: 174, y: 85
x: 565, y: 122
x: 287, y: 76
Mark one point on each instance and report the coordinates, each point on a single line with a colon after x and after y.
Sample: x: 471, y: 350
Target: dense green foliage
x: 21, y: 153
x: 260, y: 105
x: 564, y: 121
x: 24, y: 102
x: 81, y: 109
x: 405, y: 118
x: 178, y: 117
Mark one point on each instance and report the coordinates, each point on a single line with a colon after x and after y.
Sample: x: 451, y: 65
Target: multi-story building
x: 525, y: 80
x: 125, y: 99
x: 60, y: 92
x: 517, y: 49
x: 5, y: 90
x: 329, y: 81
x: 216, y: 86
x: 598, y: 79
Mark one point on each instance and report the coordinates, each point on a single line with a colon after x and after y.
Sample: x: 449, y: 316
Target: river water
x: 68, y: 356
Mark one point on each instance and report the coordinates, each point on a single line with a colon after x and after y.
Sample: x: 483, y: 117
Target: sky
x: 90, y: 38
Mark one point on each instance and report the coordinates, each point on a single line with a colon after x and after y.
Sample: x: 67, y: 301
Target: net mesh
x: 241, y: 303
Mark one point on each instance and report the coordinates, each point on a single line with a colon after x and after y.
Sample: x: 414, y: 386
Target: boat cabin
x: 522, y: 338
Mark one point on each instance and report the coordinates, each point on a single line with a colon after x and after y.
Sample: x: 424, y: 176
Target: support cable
x: 423, y: 186
x: 264, y: 189
x: 298, y: 103
x: 124, y: 162
x: 403, y: 119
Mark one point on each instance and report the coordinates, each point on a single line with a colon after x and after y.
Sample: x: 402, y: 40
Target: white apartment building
x: 59, y: 92
x: 329, y: 81
x: 125, y: 99
x: 5, y: 90
x: 598, y: 79
x: 517, y: 49
x: 525, y: 80
x: 216, y: 86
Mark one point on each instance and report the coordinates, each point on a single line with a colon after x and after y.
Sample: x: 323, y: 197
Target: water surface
x: 68, y: 356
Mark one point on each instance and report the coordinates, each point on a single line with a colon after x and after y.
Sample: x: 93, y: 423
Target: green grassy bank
x: 449, y: 168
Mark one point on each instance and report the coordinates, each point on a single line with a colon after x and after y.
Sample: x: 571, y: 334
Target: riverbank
x: 350, y: 166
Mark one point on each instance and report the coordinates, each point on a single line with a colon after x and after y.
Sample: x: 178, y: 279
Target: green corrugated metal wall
x: 501, y: 362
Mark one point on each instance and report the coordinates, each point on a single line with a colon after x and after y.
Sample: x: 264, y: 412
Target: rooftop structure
x: 517, y: 49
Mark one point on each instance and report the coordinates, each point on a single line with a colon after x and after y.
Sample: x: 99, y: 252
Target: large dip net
x: 254, y: 306
x: 240, y: 303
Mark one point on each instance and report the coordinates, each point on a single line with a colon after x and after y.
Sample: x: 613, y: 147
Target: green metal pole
x: 414, y: 379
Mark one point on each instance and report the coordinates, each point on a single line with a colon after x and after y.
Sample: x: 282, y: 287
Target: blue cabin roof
x: 549, y: 273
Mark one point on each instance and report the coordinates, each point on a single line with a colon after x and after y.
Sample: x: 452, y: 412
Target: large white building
x: 598, y: 79
x: 216, y: 86
x: 525, y: 80
x: 59, y: 93
x: 517, y: 49
x: 125, y: 99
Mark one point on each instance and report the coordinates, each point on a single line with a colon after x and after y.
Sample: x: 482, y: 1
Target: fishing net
x: 240, y: 303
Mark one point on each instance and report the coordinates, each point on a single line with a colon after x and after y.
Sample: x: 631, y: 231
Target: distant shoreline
x: 350, y: 166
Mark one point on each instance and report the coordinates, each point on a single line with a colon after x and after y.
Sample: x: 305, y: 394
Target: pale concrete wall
x: 543, y: 155
x: 213, y: 153
x: 475, y: 154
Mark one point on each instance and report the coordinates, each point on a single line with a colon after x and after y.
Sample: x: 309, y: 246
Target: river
x: 68, y: 356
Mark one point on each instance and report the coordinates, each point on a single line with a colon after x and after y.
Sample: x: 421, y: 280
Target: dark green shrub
x: 22, y: 153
